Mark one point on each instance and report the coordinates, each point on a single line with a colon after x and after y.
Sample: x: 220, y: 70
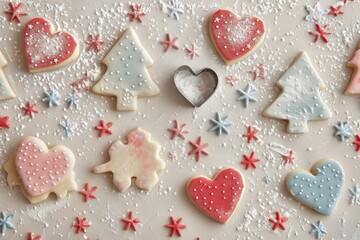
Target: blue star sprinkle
x: 266, y: 179
x: 73, y: 99
x: 343, y: 131
x: 220, y: 124
x: 52, y: 98
x: 68, y: 127
x: 354, y: 193
x: 247, y: 95
x: 318, y: 229
x: 5, y: 222
x: 175, y: 9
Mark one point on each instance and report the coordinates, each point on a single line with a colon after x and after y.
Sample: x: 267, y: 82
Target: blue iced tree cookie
x: 319, y: 189
x: 6, y: 91
x: 300, y: 100
x: 127, y: 77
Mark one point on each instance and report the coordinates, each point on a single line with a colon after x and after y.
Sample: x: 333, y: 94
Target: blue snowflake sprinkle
x: 343, y: 131
x: 5, y: 222
x: 318, y: 229
x: 175, y: 9
x: 354, y: 195
x: 247, y: 95
x: 52, y: 98
x: 266, y: 179
x: 68, y: 127
x: 73, y: 99
x: 220, y: 124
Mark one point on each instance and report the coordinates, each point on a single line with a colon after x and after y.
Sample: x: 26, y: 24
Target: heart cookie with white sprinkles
x: 235, y: 38
x: 217, y: 198
x: 319, y: 190
x: 45, y: 49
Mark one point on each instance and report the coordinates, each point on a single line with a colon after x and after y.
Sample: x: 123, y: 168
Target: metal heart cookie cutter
x: 196, y: 87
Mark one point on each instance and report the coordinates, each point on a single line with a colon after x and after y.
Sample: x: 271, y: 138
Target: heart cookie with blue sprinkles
x: 319, y: 189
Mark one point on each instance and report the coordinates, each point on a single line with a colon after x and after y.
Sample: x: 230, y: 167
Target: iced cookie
x: 235, y: 38
x: 127, y: 77
x: 218, y: 198
x: 6, y: 91
x: 45, y: 49
x: 40, y: 170
x: 354, y: 84
x: 139, y: 159
x: 319, y: 189
x: 300, y: 100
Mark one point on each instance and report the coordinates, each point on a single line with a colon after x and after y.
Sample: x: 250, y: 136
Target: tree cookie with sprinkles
x: 218, y: 198
x: 127, y: 77
x: 40, y: 170
x: 47, y: 50
x: 139, y: 159
x: 235, y: 38
x: 318, y: 189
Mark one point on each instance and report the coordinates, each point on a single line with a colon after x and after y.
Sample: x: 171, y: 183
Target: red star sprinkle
x: 178, y: 131
x: 356, y: 142
x: 31, y: 237
x: 320, y: 33
x: 130, y: 222
x: 198, y: 148
x: 289, y: 158
x: 81, y: 225
x: 170, y: 43
x: 193, y: 51
x: 104, y: 128
x: 29, y: 110
x: 94, y: 42
x: 278, y: 221
x: 335, y: 11
x: 251, y: 134
x: 4, y: 122
x: 136, y: 13
x: 176, y: 227
x: 231, y: 80
x: 250, y: 161
x: 259, y: 72
x: 15, y: 11
x: 88, y: 193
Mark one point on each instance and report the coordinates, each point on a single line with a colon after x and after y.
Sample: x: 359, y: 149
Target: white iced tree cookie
x: 6, y: 91
x: 300, y: 100
x: 139, y: 159
x: 40, y: 170
x: 127, y: 77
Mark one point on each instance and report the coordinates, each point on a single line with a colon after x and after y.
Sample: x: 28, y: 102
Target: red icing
x: 88, y: 192
x: 217, y: 198
x: 235, y: 37
x: 289, y: 158
x: 40, y: 170
x: 178, y: 131
x: 31, y: 237
x: 320, y: 33
x: 81, y: 225
x: 250, y: 161
x: 29, y: 110
x: 104, y: 128
x: 44, y: 48
x: 175, y: 226
x: 278, y: 221
x: 15, y: 11
x: 251, y: 134
x: 130, y: 222
x: 357, y: 142
x: 335, y: 11
x: 198, y: 148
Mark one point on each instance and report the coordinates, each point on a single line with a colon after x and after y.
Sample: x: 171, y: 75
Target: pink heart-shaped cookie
x: 235, y: 38
x: 217, y: 198
x: 46, y: 50
x: 41, y: 169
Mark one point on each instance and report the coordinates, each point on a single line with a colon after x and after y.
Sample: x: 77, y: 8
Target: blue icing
x: 321, y: 191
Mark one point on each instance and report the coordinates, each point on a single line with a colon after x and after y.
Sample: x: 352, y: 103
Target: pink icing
x: 235, y: 37
x: 39, y: 169
x: 217, y: 198
x: 44, y: 48
x: 354, y: 85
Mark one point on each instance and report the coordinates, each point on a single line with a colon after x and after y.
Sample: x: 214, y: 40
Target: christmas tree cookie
x: 354, y: 84
x: 127, y: 77
x: 300, y: 100
x: 40, y: 170
x: 139, y: 159
x: 6, y: 91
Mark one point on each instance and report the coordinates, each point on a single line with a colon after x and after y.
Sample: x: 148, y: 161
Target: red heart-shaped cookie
x: 45, y: 49
x: 217, y: 198
x: 41, y: 169
x: 235, y: 38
